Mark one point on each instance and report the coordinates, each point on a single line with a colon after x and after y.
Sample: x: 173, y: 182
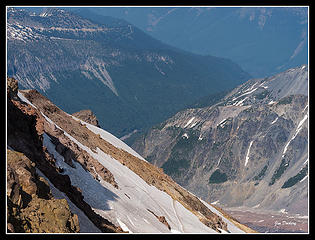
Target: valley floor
x: 268, y: 221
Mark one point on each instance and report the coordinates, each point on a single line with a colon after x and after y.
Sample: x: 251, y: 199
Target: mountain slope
x: 108, y: 185
x: 128, y: 79
x: 262, y: 40
x: 250, y: 149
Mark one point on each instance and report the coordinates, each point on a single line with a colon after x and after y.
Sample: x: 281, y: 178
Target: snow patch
x: 304, y: 178
x: 159, y: 69
x: 189, y: 122
x: 221, y: 122
x: 123, y: 226
x: 24, y: 99
x: 185, y: 135
x: 274, y: 120
x: 298, y: 129
x: 240, y: 103
x: 247, y: 155
x: 194, y: 124
x: 112, y: 204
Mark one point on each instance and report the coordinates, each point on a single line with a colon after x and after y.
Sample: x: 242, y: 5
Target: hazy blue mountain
x: 127, y: 78
x: 262, y: 40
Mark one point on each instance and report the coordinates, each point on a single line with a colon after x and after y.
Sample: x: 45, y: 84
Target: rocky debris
x: 87, y: 116
x: 31, y: 207
x: 162, y: 219
x: 23, y: 135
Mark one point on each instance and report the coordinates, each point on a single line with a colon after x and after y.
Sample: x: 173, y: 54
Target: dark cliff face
x: 250, y: 149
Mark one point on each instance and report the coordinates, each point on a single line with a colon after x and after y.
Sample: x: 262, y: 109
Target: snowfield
x: 131, y: 205
x: 110, y: 138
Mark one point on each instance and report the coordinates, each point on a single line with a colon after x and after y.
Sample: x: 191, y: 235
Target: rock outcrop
x: 162, y: 219
x: 31, y: 207
x: 87, y: 116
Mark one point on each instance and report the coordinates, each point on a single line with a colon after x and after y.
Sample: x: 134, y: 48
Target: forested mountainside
x: 130, y: 80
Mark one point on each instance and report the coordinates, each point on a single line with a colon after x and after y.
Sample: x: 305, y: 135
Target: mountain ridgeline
x: 67, y: 176
x: 249, y: 149
x: 127, y: 78
x: 262, y: 40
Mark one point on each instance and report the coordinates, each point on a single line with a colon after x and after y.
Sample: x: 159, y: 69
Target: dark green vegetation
x: 261, y: 174
x: 217, y: 177
x: 179, y: 160
x: 262, y: 94
x: 285, y: 100
x: 153, y: 80
x: 277, y: 174
x: 298, y: 177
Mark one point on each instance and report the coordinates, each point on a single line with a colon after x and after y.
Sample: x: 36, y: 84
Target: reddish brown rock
x: 31, y: 207
x: 87, y: 116
x: 24, y: 134
x: 162, y: 219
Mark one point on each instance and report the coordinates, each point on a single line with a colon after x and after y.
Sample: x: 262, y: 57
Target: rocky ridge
x: 26, y: 127
x: 49, y: 135
x: 250, y: 149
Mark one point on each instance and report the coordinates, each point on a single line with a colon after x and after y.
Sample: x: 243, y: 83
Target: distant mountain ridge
x: 249, y: 149
x: 128, y: 79
x: 262, y: 40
